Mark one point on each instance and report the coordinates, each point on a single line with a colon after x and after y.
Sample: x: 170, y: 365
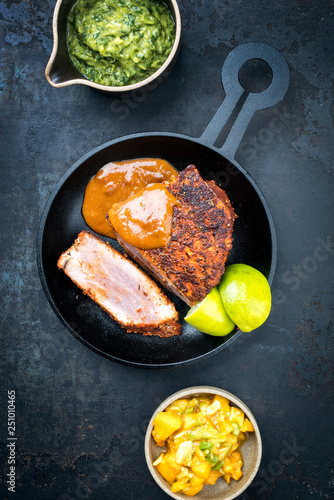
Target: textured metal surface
x: 81, y: 419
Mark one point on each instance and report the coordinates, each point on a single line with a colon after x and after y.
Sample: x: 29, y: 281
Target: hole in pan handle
x: 239, y: 105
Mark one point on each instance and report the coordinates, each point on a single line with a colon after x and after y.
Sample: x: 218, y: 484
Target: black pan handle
x: 237, y: 97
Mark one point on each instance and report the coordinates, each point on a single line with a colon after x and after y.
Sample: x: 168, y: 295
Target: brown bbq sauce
x: 145, y: 219
x: 115, y: 182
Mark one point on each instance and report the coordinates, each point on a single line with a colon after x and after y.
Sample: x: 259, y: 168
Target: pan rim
x: 40, y: 238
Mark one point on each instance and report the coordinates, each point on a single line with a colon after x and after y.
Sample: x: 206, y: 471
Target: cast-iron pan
x: 254, y: 233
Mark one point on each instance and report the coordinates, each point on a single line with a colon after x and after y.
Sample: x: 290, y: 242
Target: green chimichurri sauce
x: 119, y: 42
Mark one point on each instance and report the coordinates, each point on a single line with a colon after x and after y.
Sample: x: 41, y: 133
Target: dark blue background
x: 81, y: 419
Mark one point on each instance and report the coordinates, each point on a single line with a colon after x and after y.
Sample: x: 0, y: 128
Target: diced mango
x: 203, y: 470
x: 195, y: 480
x: 236, y: 462
x: 190, y: 420
x: 224, y: 403
x: 178, y: 486
x: 241, y: 437
x: 164, y: 424
x: 235, y: 446
x: 247, y: 426
x: 237, y: 416
x: 227, y: 478
x: 167, y: 472
x: 225, y: 427
x: 236, y: 474
x: 213, y: 476
x: 231, y: 439
x: 235, y: 458
x: 170, y: 460
x: 228, y: 467
x: 193, y: 490
x: 179, y: 404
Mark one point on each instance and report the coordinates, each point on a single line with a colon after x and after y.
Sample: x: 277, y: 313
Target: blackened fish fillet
x: 194, y: 260
x: 119, y: 287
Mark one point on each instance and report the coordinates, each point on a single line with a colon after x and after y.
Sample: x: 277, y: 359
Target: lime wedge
x: 209, y: 315
x: 246, y: 296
